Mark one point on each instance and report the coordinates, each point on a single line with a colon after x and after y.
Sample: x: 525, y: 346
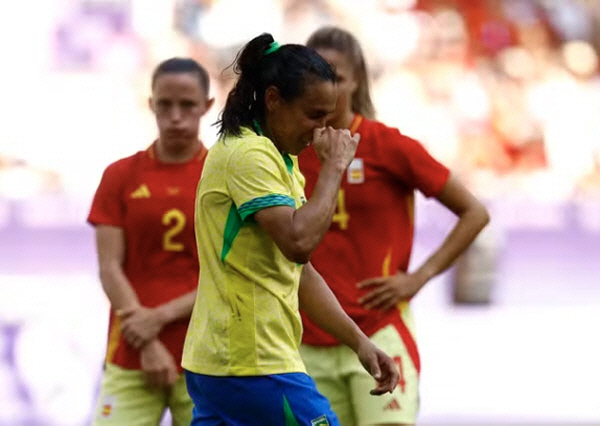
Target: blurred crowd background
x: 505, y: 92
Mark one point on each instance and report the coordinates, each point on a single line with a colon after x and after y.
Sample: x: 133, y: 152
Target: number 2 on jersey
x: 175, y: 220
x: 341, y: 216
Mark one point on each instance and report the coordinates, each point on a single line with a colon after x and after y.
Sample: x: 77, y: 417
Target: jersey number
x: 341, y: 216
x: 401, y: 380
x: 175, y: 220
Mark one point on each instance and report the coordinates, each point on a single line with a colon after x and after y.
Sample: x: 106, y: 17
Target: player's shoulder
x: 246, y: 146
x: 128, y: 161
x: 382, y: 133
x: 125, y: 166
x: 376, y: 129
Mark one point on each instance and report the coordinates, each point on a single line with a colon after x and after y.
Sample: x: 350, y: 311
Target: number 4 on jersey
x: 341, y: 216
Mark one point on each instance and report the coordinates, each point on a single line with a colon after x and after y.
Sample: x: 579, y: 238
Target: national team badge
x: 320, y: 421
x: 108, y: 403
x: 356, y: 171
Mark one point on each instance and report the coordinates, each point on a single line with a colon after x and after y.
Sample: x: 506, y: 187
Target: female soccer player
x: 143, y: 213
x: 255, y: 232
x: 364, y: 256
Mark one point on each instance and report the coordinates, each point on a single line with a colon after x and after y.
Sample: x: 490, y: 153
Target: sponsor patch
x: 320, y: 421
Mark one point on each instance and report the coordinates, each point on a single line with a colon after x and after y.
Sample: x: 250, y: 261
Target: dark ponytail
x: 261, y: 64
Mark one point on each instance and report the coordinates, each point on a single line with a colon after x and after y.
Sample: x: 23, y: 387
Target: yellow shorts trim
x: 125, y: 399
x: 344, y: 381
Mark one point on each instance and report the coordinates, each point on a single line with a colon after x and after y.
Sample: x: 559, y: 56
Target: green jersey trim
x: 252, y: 206
x: 289, y: 163
x: 232, y: 227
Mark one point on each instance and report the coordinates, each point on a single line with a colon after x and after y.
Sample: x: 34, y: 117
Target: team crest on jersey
x: 141, y: 192
x: 108, y: 403
x: 356, y: 171
x: 320, y: 421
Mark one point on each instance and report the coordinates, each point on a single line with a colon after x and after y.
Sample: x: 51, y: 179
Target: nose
x: 176, y: 113
x: 321, y: 122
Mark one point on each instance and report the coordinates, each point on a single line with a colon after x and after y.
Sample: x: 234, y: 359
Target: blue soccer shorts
x: 289, y: 399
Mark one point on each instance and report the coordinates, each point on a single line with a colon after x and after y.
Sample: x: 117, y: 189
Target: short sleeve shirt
x: 247, y: 322
x: 153, y: 203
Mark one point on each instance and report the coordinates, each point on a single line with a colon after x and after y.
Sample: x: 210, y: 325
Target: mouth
x: 176, y: 134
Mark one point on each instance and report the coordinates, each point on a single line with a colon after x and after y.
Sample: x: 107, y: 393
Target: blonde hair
x: 335, y: 38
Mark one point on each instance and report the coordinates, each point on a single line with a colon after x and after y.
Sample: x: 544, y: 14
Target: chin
x: 178, y: 143
x: 299, y: 150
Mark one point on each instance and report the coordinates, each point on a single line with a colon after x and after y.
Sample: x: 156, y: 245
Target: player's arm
x: 139, y: 324
x: 176, y: 309
x: 297, y: 232
x: 472, y: 218
x: 143, y: 324
x: 110, y: 246
x: 322, y: 307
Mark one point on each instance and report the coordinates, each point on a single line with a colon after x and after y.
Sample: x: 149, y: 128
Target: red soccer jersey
x: 153, y: 202
x: 372, y: 230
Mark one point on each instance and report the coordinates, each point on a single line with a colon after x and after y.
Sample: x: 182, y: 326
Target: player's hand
x: 380, y: 366
x: 158, y: 365
x: 389, y: 291
x: 139, y: 325
x: 335, y: 146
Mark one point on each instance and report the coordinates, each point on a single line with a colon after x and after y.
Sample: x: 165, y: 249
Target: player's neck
x: 183, y: 153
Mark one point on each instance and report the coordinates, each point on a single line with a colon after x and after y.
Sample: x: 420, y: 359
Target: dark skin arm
x: 297, y: 232
x: 288, y: 227
x: 320, y: 304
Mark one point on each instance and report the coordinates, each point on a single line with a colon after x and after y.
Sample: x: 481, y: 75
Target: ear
x: 151, y: 104
x: 272, y: 98
x: 209, y: 104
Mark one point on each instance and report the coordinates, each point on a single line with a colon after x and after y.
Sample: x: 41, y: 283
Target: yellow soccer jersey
x: 245, y: 320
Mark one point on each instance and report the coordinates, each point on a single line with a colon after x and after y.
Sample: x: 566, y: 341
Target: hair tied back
x: 273, y: 47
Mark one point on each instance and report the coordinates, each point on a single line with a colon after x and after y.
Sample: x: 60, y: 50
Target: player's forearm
x: 312, y: 220
x: 117, y: 287
x: 179, y: 308
x: 110, y: 245
x: 322, y: 307
x: 469, y: 225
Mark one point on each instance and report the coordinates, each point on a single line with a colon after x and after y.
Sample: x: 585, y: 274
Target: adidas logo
x: 394, y: 405
x: 141, y: 192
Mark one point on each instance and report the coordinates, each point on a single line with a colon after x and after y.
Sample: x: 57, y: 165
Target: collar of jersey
x: 289, y: 163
